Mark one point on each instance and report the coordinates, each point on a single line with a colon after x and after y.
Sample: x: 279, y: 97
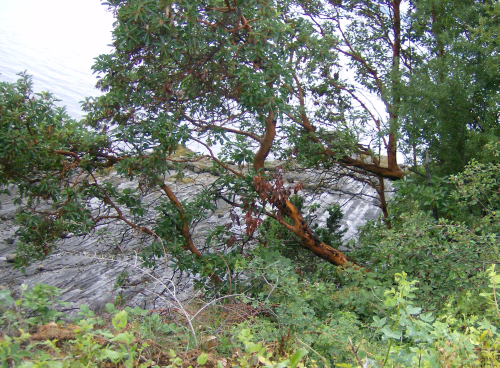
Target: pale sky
x: 56, y: 41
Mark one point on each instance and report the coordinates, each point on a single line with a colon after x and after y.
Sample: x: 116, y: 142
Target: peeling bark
x: 307, y: 237
x: 299, y: 227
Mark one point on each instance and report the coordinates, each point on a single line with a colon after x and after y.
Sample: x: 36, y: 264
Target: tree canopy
x: 248, y: 82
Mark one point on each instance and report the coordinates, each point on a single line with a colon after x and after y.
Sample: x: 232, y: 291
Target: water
x: 56, y: 41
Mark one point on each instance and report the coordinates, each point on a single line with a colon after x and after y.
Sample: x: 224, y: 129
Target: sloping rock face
x: 100, y: 267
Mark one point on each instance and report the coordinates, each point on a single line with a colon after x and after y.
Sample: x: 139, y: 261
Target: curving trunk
x: 299, y: 227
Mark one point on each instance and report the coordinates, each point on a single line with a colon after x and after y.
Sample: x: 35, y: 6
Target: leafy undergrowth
x: 36, y: 335
x: 295, y: 333
x: 430, y: 299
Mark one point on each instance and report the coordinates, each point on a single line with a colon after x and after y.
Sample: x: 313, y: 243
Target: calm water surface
x: 56, y: 42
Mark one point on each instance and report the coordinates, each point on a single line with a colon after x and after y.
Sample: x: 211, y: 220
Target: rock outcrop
x: 97, y: 268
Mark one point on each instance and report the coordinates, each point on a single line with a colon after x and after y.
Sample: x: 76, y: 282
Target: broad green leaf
x: 120, y: 320
x: 297, y: 356
x: 377, y: 322
x: 202, y: 359
x: 413, y: 310
x: 111, y: 354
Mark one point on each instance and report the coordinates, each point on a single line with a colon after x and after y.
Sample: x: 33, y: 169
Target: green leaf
x: 84, y: 308
x: 106, y: 334
x: 5, y: 295
x: 120, y: 320
x: 377, y: 322
x: 391, y: 334
x: 111, y: 355
x: 124, y: 336
x: 202, y: 359
x: 427, y: 317
x: 297, y: 356
x: 413, y: 310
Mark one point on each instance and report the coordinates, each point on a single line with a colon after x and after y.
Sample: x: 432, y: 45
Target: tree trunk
x: 396, y: 96
x: 184, y: 229
x: 299, y: 227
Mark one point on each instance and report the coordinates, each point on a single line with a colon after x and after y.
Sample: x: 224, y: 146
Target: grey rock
x: 10, y: 258
x: 86, y: 267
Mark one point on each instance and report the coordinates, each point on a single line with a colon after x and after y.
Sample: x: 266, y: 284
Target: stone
x: 10, y: 258
x: 209, y: 342
x: 86, y: 267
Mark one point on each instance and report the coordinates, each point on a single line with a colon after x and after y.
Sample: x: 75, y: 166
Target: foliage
x: 116, y: 338
x: 341, y: 316
x: 449, y: 103
x: 433, y: 195
x: 397, y: 331
x: 422, y: 339
x: 33, y: 307
x: 478, y: 189
x: 332, y: 232
x: 249, y: 82
x: 276, y: 237
x: 236, y: 77
x: 448, y: 256
x: 35, y: 136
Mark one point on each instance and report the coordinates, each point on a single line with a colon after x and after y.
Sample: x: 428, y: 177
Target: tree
x: 246, y: 81
x: 216, y: 72
x: 41, y: 151
x: 211, y: 71
x: 449, y: 105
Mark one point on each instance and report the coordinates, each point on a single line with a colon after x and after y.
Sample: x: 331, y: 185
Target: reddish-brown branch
x: 107, y: 200
x: 266, y: 142
x: 220, y: 10
x: 210, y: 126
x: 383, y: 203
x: 184, y: 229
x: 386, y: 172
x: 207, y: 23
x: 389, y: 172
x: 307, y: 237
x: 244, y: 25
x: 299, y: 226
x: 171, y: 196
x: 396, y: 100
x: 185, y: 225
x: 68, y: 153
